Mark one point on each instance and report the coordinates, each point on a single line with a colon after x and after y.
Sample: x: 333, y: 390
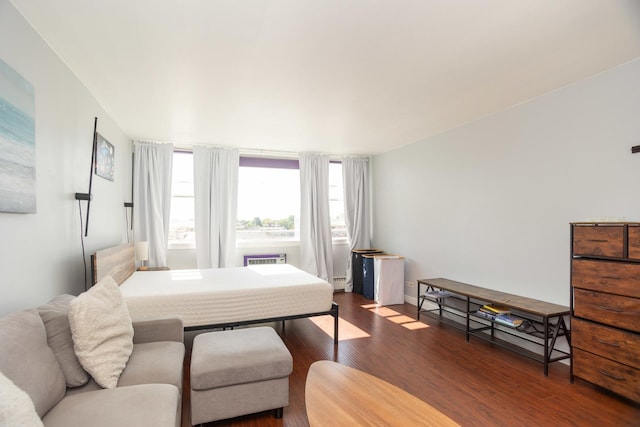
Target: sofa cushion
x: 102, y: 331
x: 16, y: 407
x: 158, y: 329
x: 28, y: 361
x: 155, y: 405
x: 55, y: 315
x: 155, y: 362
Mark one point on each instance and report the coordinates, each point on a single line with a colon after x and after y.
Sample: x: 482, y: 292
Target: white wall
x: 40, y: 254
x: 489, y: 203
x: 186, y: 258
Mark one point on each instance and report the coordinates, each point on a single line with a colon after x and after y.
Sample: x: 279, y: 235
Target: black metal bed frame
x: 333, y: 312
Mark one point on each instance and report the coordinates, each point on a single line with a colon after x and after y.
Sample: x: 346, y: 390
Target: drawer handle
x: 616, y: 309
x: 610, y: 278
x: 615, y: 377
x: 597, y: 240
x: 612, y: 344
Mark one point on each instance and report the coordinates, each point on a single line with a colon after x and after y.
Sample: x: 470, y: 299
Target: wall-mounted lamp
x: 130, y: 204
x: 88, y: 196
x: 142, y: 253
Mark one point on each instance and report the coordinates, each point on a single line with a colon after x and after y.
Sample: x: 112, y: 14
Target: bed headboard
x: 117, y: 262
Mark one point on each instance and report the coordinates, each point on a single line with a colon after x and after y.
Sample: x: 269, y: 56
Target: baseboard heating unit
x: 339, y: 283
x: 265, y: 259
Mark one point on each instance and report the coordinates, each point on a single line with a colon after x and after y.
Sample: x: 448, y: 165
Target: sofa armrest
x: 158, y: 329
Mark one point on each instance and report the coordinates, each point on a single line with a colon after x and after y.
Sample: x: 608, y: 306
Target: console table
x: 542, y: 320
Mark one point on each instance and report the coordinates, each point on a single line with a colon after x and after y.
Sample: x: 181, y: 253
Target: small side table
x: 153, y: 268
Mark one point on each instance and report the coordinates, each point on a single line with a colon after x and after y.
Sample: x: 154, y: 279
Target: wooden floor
x: 474, y: 383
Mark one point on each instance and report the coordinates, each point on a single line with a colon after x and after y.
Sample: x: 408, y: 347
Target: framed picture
x: 105, y: 158
x: 17, y: 142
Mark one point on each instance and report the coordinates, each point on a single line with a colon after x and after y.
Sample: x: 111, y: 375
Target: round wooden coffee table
x: 339, y: 395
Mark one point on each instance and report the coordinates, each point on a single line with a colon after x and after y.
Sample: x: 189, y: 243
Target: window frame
x: 269, y: 163
x: 259, y: 162
x: 172, y: 244
x: 283, y: 163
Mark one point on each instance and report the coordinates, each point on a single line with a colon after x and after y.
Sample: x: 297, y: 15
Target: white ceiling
x: 336, y: 76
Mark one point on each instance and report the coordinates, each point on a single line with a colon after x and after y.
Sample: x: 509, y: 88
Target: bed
x: 219, y: 297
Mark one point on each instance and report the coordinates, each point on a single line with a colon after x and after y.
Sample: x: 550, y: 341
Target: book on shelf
x: 508, y: 320
x: 437, y: 294
x: 496, y: 309
x: 503, y: 319
x: 485, y: 315
x: 489, y: 313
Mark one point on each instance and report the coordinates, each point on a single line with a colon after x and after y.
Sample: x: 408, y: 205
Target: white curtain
x: 316, y: 252
x: 216, y: 203
x: 152, y: 198
x: 355, y: 178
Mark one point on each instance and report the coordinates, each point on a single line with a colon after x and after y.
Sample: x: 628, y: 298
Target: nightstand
x: 153, y: 268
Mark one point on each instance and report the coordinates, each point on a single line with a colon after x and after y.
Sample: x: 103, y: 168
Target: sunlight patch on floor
x: 384, y: 311
x: 413, y: 325
x: 401, y: 319
x: 398, y: 318
x: 346, y: 330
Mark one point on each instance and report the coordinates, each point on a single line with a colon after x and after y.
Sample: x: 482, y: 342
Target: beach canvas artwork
x: 17, y: 143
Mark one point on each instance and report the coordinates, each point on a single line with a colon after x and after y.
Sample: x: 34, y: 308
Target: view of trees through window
x: 268, y: 203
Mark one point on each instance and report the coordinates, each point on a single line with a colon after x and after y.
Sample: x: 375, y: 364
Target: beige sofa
x: 37, y: 355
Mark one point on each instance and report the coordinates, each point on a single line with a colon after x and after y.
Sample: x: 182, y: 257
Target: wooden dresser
x: 605, y: 305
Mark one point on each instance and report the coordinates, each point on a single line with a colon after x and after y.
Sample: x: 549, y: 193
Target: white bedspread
x: 223, y: 295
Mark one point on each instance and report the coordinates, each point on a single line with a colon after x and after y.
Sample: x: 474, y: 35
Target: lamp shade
x: 142, y: 251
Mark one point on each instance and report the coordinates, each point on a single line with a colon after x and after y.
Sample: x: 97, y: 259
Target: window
x: 336, y: 201
x: 181, y: 222
x: 268, y: 200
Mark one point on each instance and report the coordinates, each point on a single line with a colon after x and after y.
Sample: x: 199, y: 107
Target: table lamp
x: 142, y: 253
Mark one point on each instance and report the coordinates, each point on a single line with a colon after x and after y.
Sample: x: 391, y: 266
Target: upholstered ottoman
x: 238, y: 372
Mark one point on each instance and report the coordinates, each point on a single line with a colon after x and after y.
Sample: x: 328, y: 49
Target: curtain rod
x: 271, y: 154
x: 254, y: 152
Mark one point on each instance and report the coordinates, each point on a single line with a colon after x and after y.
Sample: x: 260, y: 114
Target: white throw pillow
x: 16, y: 407
x: 102, y: 332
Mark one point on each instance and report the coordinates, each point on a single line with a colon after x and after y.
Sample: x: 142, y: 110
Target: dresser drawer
x: 613, y: 310
x: 622, y: 278
x: 617, y: 377
x: 600, y: 240
x: 634, y: 241
x: 615, y: 344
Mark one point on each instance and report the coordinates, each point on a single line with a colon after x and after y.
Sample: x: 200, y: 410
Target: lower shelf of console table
x: 543, y: 322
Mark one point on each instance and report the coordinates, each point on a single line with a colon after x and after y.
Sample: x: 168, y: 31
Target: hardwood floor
x: 474, y: 383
